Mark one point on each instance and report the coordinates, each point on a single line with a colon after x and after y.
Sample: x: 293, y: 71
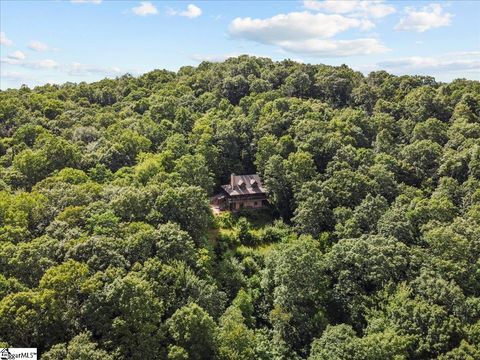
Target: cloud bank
x: 38, y: 46
x: 17, y: 55
x: 4, y: 40
x: 446, y: 62
x: 192, y: 11
x: 429, y: 17
x: 308, y: 33
x: 374, y: 8
x: 145, y: 8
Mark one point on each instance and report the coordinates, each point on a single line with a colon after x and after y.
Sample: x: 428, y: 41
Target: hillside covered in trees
x: 370, y: 249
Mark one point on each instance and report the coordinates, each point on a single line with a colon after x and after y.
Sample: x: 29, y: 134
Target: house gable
x: 244, y: 185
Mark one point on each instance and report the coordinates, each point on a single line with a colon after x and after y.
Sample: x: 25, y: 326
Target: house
x: 244, y: 191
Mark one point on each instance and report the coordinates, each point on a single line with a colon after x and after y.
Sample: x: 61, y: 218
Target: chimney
x: 232, y: 180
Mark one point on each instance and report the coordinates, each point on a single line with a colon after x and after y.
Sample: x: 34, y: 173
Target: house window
x: 255, y: 203
x: 241, y: 205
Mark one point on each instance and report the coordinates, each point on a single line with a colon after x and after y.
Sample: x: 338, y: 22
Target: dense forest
x: 369, y: 250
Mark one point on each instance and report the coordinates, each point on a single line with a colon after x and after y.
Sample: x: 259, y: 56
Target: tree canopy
x: 369, y: 248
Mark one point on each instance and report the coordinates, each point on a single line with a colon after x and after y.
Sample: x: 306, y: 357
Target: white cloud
x: 191, y: 12
x: 444, y: 67
x: 18, y: 55
x: 338, y: 7
x: 294, y: 26
x: 366, y: 8
x: 429, y: 17
x: 444, y: 62
x: 96, y: 2
x: 333, y: 48
x: 80, y: 69
x: 45, y: 64
x: 474, y: 53
x: 38, y: 46
x: 14, y: 76
x: 50, y: 71
x: 146, y: 8
x: 75, y: 68
x: 31, y: 64
x: 307, y: 33
x: 4, y: 40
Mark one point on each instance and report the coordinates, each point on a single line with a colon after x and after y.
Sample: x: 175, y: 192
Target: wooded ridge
x: 369, y: 248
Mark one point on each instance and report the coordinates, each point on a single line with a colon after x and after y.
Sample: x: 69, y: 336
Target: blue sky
x: 87, y: 40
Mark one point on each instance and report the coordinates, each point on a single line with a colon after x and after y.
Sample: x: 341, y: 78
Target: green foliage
x: 186, y: 206
x: 194, y: 330
x: 80, y: 347
x: 135, y: 328
x: 364, y: 266
x: 299, y: 291
x: 369, y: 248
